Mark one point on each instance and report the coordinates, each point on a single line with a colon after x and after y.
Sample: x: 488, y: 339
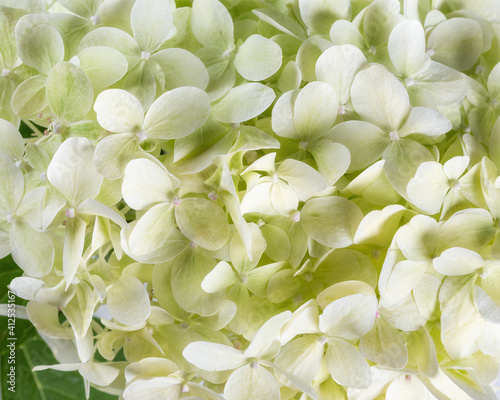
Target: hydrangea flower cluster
x: 280, y: 199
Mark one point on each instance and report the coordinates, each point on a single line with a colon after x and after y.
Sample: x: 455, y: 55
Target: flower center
x: 429, y: 52
x: 341, y: 110
x: 229, y: 52
x: 296, y: 216
x: 303, y: 145
x: 95, y: 19
x: 254, y: 364
x: 409, y: 82
x: 11, y: 218
x: 70, y: 212
x: 145, y: 55
x: 141, y: 135
x: 6, y: 73
x: 394, y: 135
x: 322, y: 339
x: 372, y: 50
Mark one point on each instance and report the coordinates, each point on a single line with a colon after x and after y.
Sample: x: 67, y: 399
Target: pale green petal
x: 346, y: 364
x: 128, y: 301
x: 487, y: 306
x: 290, y: 77
x: 332, y: 221
x: 366, y: 142
x: 283, y: 286
x: 263, y: 343
x: 119, y: 111
x: 99, y: 374
x: 177, y: 113
x: 243, y: 262
x: 493, y: 83
x: 181, y: 68
x: 258, y: 199
x: 214, y: 356
x: 250, y: 383
x: 304, y: 320
x: 349, y: 317
x: 163, y: 387
x: 456, y: 166
x: 74, y: 240
x: 283, y: 198
x: 315, y: 110
x: 281, y: 21
x: 403, y: 278
x: 145, y: 184
x: 69, y: 92
x: 258, y: 278
x: 152, y: 229
x: 445, y: 85
x: 102, y: 65
x: 302, y: 357
x: 345, y: 32
x: 428, y: 188
x: 460, y: 320
x: 84, y: 8
x: 385, y: 345
x: 29, y: 98
x: 402, y: 159
x: 404, y: 388
x: 337, y: 66
x: 44, y: 48
x: 72, y: 171
x: 379, y: 98
x: 11, y: 185
x: 46, y: 320
x: 308, y: 54
x: 78, y: 312
x: 425, y: 121
x: 141, y: 82
x: 283, y: 117
x: 277, y: 242
x: 458, y: 261
x: 378, y: 226
x: 33, y: 251
x: 203, y: 222
x: 26, y: 287
x: 188, y: 272
x: 258, y: 58
x: 319, y: 15
x: 303, y: 179
x: 113, y: 153
x: 221, y: 277
x: 456, y: 42
x: 243, y: 102
x: 418, y: 239
x: 407, y: 47
x: 95, y: 208
x: 212, y: 24
x: 151, y: 22
x: 115, y: 38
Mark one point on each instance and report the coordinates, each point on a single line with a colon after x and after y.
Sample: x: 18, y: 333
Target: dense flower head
x: 256, y: 200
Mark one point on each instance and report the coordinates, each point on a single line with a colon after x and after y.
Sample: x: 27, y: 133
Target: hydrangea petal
x: 214, y: 356
x: 407, y: 47
x: 258, y: 58
x: 102, y: 65
x: 151, y: 22
x: 458, y: 261
x: 128, y: 301
x: 243, y: 102
x: 119, y: 111
x: 379, y: 98
x: 212, y: 24
x: 177, y: 113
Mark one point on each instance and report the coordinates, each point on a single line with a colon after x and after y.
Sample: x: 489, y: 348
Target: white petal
x: 249, y: 383
x: 378, y: 97
x: 212, y: 24
x: 258, y: 58
x: 346, y: 364
x: 428, y: 188
x: 337, y: 66
x: 145, y: 184
x: 456, y: 166
x: 214, y: 356
x: 72, y: 171
x: 458, y: 261
x: 221, y: 277
x: 407, y: 47
x: 425, y: 121
x: 366, y: 142
x: 319, y: 15
x: 128, y: 301
x: 305, y: 180
x: 11, y: 141
x: 243, y: 102
x: 177, y: 113
x: 315, y: 110
x: 74, y: 240
x: 119, y: 111
x: 151, y: 22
